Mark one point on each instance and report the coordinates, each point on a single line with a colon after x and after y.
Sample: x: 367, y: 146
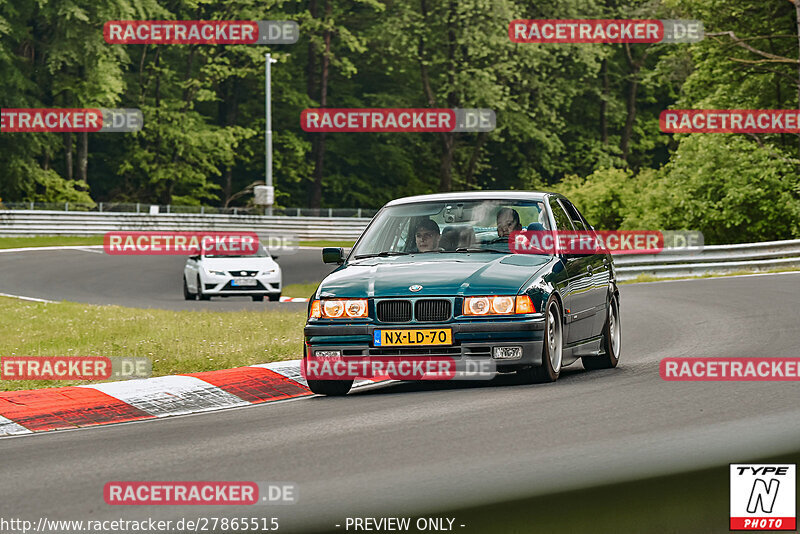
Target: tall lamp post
x: 268, y: 101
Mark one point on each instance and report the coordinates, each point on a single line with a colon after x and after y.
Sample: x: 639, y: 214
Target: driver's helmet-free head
x: 426, y: 235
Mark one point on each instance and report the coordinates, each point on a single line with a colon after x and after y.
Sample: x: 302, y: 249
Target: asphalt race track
x: 416, y: 448
x: 90, y: 276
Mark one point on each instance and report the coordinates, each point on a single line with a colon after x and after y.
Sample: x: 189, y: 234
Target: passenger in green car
x: 427, y: 235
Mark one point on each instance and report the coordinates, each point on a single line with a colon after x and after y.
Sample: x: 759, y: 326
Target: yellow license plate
x: 408, y: 338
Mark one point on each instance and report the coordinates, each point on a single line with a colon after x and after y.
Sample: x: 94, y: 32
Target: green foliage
x: 561, y: 110
x: 604, y: 196
x: 50, y: 187
x: 752, y: 197
x: 175, y: 155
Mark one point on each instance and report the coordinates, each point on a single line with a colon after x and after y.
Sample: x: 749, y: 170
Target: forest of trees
x: 581, y: 119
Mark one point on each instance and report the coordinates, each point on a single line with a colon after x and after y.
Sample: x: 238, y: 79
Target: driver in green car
x: 427, y: 235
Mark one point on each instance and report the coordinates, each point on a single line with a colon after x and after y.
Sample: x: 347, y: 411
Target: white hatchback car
x: 255, y: 275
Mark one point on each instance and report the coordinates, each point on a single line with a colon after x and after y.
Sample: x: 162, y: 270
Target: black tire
x: 200, y: 294
x: 611, y: 340
x: 552, y: 348
x: 275, y: 298
x: 331, y: 388
x: 257, y: 298
x: 186, y: 294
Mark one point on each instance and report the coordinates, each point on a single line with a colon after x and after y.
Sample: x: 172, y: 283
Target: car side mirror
x: 333, y: 255
x: 195, y: 258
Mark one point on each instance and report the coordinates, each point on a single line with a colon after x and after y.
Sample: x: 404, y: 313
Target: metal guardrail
x: 86, y: 223
x: 668, y: 263
x: 130, y: 207
x: 712, y: 259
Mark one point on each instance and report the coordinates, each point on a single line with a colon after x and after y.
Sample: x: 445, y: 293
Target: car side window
x: 573, y: 214
x: 562, y: 219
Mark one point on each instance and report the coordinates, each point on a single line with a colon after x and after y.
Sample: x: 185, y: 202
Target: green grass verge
x: 49, y: 241
x: 322, y: 243
x: 175, y: 341
x: 299, y: 290
x: 650, y: 278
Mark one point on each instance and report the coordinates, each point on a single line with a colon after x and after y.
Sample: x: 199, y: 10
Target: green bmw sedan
x: 442, y: 276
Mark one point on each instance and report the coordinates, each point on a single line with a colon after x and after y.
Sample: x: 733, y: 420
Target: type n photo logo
x: 763, y: 497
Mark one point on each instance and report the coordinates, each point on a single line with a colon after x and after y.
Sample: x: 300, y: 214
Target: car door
x: 577, y: 302
x: 598, y: 266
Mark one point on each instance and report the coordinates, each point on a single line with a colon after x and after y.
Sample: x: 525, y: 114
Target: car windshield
x: 261, y: 253
x: 463, y: 226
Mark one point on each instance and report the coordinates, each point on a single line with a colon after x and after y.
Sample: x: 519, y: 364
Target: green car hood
x: 439, y: 275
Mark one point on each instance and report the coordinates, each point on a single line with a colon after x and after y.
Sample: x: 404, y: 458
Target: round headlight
x: 479, y: 305
x: 503, y: 304
x: 356, y: 308
x: 333, y: 308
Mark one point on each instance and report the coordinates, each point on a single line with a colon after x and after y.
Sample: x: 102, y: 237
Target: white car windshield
x: 463, y: 226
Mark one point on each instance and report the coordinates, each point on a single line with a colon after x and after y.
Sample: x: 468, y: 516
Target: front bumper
x: 472, y: 340
x: 221, y: 286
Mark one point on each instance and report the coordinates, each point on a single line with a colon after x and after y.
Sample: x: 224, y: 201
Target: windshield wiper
x: 473, y: 249
x: 383, y: 254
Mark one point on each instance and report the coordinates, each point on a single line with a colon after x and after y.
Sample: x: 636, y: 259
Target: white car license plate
x: 245, y: 282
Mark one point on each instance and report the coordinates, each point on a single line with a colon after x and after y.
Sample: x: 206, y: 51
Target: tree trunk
x: 604, y: 104
x: 312, y: 91
x: 797, y: 17
x: 83, y: 156
x: 68, y: 154
x: 422, y: 53
x: 446, y: 165
x: 311, y: 72
x: 187, y: 93
x: 226, y: 190
x: 630, y: 120
x: 473, y: 160
x: 316, y: 190
x: 633, y: 87
x: 449, y: 138
x: 230, y: 114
